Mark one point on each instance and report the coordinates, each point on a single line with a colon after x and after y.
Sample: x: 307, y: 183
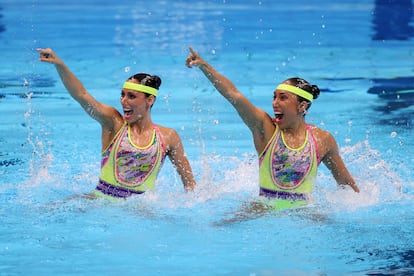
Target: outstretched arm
x: 258, y: 121
x: 100, y: 112
x: 335, y: 164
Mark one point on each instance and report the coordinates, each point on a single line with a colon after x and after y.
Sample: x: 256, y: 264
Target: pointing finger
x: 193, y: 53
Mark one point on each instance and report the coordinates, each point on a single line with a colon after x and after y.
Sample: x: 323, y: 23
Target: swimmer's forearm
x: 336, y: 165
x: 348, y: 180
x: 186, y: 174
x: 226, y: 88
x: 189, y: 185
x: 220, y: 82
x: 75, y: 87
x: 354, y: 187
x: 79, y: 93
x: 71, y: 83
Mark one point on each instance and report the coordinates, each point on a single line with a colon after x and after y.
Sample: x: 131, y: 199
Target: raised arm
x: 258, y: 121
x: 335, y: 164
x: 104, y: 114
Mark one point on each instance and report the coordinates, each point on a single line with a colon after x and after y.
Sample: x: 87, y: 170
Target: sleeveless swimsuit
x: 286, y: 174
x: 127, y: 169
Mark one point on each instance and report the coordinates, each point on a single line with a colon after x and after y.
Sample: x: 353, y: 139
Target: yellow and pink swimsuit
x: 286, y: 174
x: 127, y: 169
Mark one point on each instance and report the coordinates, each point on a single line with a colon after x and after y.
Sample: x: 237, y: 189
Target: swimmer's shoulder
x: 169, y: 135
x: 319, y: 133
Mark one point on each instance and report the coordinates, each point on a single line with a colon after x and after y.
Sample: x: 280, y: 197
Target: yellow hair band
x: 140, y: 88
x: 295, y: 90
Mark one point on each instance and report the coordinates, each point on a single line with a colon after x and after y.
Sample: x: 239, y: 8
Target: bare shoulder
x: 169, y: 135
x: 325, y: 140
x: 166, y: 130
x: 321, y: 134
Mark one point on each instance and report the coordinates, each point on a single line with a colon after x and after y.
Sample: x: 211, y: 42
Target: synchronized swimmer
x: 288, y: 148
x: 133, y: 147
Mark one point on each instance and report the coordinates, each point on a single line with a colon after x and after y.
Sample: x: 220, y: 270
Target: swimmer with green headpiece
x: 133, y: 147
x: 289, y: 149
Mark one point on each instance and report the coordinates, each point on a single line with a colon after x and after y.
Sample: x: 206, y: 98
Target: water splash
x: 378, y: 181
x: 41, y: 156
x: 226, y: 182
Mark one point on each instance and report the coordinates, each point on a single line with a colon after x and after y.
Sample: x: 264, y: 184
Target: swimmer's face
x: 135, y: 105
x: 285, y: 107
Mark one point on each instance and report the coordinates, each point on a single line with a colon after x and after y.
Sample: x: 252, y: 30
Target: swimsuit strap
x: 160, y: 139
x: 315, y: 144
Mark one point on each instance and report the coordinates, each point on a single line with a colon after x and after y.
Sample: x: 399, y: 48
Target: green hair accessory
x: 140, y: 88
x: 295, y: 90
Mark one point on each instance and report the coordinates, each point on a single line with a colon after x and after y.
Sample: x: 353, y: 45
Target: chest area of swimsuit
x: 289, y: 167
x: 127, y: 149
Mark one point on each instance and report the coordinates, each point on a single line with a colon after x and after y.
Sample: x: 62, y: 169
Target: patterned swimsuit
x: 287, y: 173
x: 127, y: 169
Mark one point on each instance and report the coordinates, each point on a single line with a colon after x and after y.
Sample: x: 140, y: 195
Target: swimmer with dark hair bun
x: 289, y: 149
x: 133, y: 147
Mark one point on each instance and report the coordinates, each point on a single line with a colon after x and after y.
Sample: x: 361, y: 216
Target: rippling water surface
x: 358, y: 52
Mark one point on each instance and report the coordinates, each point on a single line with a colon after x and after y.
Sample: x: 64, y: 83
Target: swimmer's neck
x: 141, y: 126
x: 295, y: 129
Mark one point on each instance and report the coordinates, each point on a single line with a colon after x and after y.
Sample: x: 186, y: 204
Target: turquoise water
x: 358, y: 52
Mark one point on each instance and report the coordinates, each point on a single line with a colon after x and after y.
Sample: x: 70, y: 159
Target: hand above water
x: 47, y: 55
x: 194, y: 59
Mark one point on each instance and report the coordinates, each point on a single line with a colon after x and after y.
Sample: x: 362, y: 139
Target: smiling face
x: 136, y: 105
x: 287, y: 109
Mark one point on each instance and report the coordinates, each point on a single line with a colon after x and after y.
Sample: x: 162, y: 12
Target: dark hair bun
x: 148, y: 80
x: 315, y: 91
x: 152, y: 81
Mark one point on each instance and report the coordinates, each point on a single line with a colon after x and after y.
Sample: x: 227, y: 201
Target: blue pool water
x: 360, y: 53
